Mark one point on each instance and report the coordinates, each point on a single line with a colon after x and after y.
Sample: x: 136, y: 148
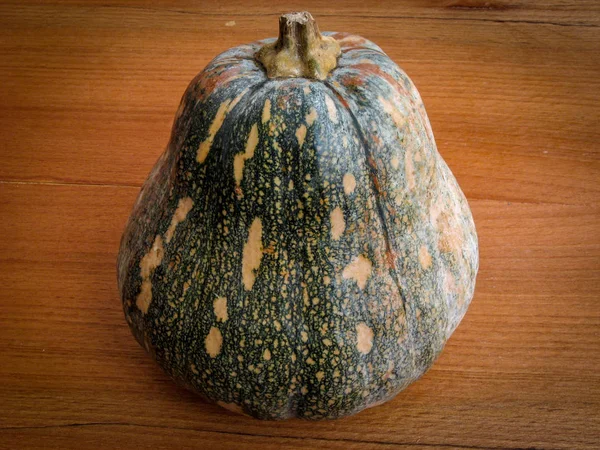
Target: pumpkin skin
x: 300, y: 249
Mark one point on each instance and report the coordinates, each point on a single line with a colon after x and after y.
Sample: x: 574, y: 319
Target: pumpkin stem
x: 300, y: 50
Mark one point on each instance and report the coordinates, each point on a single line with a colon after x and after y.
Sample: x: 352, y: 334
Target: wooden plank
x: 156, y: 438
x: 522, y: 370
x: 565, y: 12
x: 88, y: 96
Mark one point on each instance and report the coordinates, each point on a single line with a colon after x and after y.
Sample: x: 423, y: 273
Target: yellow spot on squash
x: 424, y: 258
x: 331, y: 109
x: 153, y: 258
x: 305, y: 297
x: 301, y: 134
x: 266, y: 112
x: 449, y: 282
x: 327, y: 342
x: 183, y: 208
x: 267, y: 354
x: 359, y: 270
x: 148, y: 263
x: 311, y: 116
x: 306, y: 89
x: 144, y: 297
x: 252, y: 254
x: 304, y: 336
x: 215, y: 126
x: 389, y: 108
x: 451, y: 240
x: 395, y: 162
x: 213, y: 342
x: 338, y: 225
x: 237, y: 100
x: 320, y: 375
x: 326, y: 280
x: 240, y: 159
x: 349, y: 183
x: 364, y: 338
x: 220, y: 308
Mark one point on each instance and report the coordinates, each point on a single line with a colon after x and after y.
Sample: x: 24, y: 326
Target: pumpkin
x: 300, y: 249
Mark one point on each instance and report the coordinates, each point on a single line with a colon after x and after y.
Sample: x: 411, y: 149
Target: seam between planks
x: 136, y: 186
x: 260, y: 435
x: 60, y: 183
x: 363, y: 16
x: 358, y: 15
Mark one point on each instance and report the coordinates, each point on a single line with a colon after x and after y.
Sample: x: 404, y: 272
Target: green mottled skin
x: 300, y: 307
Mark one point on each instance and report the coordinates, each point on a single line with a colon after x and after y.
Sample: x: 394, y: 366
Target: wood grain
x: 88, y: 93
x: 563, y: 12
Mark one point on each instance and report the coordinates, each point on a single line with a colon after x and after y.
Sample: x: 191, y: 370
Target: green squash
x: 300, y: 249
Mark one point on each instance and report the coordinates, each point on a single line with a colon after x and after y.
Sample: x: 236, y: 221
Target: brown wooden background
x: 88, y: 90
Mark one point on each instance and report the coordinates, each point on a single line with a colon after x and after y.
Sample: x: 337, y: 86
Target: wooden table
x: 88, y: 91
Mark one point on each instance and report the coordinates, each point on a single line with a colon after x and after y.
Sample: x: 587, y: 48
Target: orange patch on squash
x: 252, y: 254
x: 215, y: 126
x: 338, y: 225
x: 359, y: 270
x: 424, y: 257
x: 213, y: 342
x: 391, y: 109
x: 311, y: 116
x: 364, y: 338
x: 331, y: 109
x: 218, y: 76
x: 183, y: 208
x: 353, y: 80
x: 266, y: 112
x: 390, y: 257
x: 220, y: 309
x: 148, y: 263
x: 301, y: 135
x: 240, y: 160
x: 144, y: 297
x: 349, y: 183
x: 267, y: 354
x: 237, y: 99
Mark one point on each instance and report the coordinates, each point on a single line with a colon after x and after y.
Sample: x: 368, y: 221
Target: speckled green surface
x: 301, y: 249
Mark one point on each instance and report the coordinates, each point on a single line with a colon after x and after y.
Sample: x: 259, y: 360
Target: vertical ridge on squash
x: 301, y: 249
